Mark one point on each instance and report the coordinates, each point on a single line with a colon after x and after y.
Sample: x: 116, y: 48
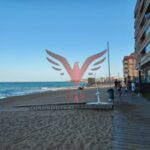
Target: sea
x: 8, y: 89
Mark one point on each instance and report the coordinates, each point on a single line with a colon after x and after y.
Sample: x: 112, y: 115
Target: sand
x: 54, y: 129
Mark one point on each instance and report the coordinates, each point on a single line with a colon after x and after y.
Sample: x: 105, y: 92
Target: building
x: 91, y: 81
x: 129, y: 67
x: 112, y: 79
x: 142, y: 37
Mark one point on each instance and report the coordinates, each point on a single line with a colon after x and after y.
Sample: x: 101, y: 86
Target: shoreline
x: 51, y: 97
x: 88, y: 92
x: 46, y: 97
x: 42, y: 90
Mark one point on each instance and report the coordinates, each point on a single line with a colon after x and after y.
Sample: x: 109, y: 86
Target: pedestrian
x: 132, y: 88
x: 126, y: 89
x: 119, y: 87
x: 129, y: 85
x: 116, y: 83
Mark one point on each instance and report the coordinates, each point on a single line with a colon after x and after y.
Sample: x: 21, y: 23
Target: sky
x: 74, y: 29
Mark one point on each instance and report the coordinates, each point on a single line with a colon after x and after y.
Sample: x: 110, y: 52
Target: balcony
x: 145, y: 58
x: 142, y: 30
x: 144, y: 42
x: 138, y: 6
x: 142, y: 16
x: 147, y: 23
x: 144, y: 10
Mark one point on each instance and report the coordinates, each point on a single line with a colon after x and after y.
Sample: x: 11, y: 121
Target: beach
x: 55, y: 129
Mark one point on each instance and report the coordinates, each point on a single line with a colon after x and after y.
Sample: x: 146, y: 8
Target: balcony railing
x: 147, y: 23
x: 139, y: 46
x: 143, y: 44
x: 136, y: 7
x: 145, y: 58
x: 136, y: 12
x: 140, y: 20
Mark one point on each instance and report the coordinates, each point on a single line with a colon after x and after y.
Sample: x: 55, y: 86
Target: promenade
x: 131, y: 123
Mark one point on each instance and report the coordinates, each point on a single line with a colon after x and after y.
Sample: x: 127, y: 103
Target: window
x: 148, y: 30
x: 148, y: 72
x: 147, y: 48
x: 142, y: 38
x: 125, y: 62
x: 130, y: 61
x: 147, y: 75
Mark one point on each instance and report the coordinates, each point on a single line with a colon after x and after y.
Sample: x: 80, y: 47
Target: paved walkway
x: 131, y: 123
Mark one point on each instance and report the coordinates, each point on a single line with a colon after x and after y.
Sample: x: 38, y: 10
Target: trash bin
x: 110, y: 94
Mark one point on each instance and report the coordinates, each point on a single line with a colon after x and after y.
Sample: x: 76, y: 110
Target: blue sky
x: 74, y: 29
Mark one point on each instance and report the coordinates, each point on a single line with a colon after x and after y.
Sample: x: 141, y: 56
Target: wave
x: 45, y: 88
x: 2, y: 97
x: 19, y: 93
x: 56, y: 89
x: 9, y: 89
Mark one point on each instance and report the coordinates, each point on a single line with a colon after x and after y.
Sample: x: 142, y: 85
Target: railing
x: 143, y: 44
x: 146, y: 41
x: 139, y: 22
x: 143, y: 14
x: 145, y: 58
x: 147, y: 23
x: 137, y: 8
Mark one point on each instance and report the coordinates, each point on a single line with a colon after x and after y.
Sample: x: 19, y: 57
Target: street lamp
x: 140, y: 81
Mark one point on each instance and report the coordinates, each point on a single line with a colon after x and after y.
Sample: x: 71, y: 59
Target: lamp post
x: 97, y: 92
x: 140, y: 81
x: 108, y: 64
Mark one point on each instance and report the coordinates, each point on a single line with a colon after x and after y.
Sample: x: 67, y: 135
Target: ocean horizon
x: 8, y: 89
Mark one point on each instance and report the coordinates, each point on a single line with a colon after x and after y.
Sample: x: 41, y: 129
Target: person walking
x: 119, y: 87
x: 116, y: 82
x: 132, y: 88
x: 129, y: 85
